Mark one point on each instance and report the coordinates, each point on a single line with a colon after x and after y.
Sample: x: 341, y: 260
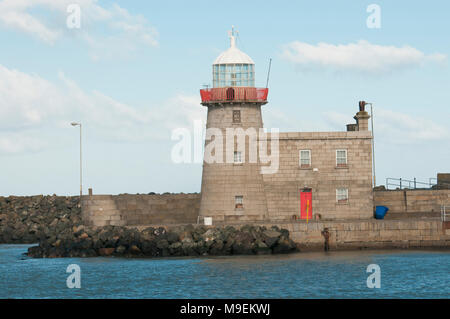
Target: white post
x: 81, y: 169
x: 81, y: 162
x: 373, y: 145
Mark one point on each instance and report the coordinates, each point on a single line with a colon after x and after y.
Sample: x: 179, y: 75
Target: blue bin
x: 380, y: 212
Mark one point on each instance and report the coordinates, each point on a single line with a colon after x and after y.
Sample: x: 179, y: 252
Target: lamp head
x: 74, y: 124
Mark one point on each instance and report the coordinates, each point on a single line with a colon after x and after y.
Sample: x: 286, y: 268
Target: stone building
x: 313, y: 175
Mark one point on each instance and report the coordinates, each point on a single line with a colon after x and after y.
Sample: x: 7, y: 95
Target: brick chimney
x: 362, y: 117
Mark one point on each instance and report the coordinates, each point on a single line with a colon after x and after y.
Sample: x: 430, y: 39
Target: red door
x: 305, y: 204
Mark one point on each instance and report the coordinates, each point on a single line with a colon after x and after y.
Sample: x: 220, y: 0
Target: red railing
x: 234, y: 94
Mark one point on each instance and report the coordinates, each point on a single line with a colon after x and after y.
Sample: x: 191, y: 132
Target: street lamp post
x: 81, y: 166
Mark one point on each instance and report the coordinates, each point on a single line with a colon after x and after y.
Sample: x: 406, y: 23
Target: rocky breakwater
x: 30, y: 219
x: 190, y: 240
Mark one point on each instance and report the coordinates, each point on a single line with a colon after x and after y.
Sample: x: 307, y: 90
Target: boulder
x: 217, y: 248
x: 262, y: 248
x: 55, y: 222
x: 106, y: 251
x: 84, y: 235
x: 172, y: 237
x: 284, y: 246
x: 270, y: 237
x: 162, y: 244
x: 176, y: 249
x: 120, y: 250
x: 134, y: 250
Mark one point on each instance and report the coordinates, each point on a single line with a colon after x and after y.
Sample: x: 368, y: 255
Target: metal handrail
x: 411, y: 184
x: 236, y: 94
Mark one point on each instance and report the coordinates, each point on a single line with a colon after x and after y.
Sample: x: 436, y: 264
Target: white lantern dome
x: 233, y: 68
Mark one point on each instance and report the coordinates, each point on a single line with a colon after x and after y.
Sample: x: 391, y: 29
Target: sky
x: 132, y: 71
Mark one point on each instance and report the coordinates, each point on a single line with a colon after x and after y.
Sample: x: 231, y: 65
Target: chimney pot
x: 362, y: 105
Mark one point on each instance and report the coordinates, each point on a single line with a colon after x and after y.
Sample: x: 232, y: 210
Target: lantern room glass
x: 225, y: 75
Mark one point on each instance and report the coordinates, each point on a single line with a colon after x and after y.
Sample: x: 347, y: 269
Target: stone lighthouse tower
x: 232, y: 184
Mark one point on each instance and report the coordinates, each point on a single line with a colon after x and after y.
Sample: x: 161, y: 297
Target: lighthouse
x: 232, y: 185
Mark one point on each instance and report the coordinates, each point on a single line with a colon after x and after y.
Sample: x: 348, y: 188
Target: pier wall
x: 412, y: 200
x: 131, y: 209
x: 29, y: 219
x: 405, y: 232
x: 380, y: 234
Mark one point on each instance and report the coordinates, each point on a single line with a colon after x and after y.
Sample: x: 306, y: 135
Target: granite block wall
x: 130, y: 209
x: 323, y: 176
x: 369, y: 234
x: 412, y: 200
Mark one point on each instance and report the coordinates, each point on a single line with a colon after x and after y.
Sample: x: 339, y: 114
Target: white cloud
x: 405, y: 128
x: 337, y: 120
x: 101, y: 28
x: 18, y: 142
x: 274, y: 117
x: 361, y: 56
x: 32, y: 110
x: 27, y: 23
x: 395, y: 127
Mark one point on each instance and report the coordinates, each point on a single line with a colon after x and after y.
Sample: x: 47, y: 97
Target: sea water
x: 402, y: 274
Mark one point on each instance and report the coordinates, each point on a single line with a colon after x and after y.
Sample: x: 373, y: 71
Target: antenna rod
x: 268, y: 73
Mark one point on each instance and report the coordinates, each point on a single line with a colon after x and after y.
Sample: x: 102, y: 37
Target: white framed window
x: 238, y: 157
x: 341, y: 157
x: 305, y: 158
x: 239, y: 201
x: 342, y: 195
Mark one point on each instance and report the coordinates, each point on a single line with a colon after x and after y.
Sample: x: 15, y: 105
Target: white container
x: 208, y: 221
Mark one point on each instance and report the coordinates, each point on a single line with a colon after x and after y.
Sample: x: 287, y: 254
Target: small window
x: 239, y: 201
x: 342, y: 195
x: 236, y: 116
x: 237, y: 157
x: 341, y: 158
x: 305, y: 158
